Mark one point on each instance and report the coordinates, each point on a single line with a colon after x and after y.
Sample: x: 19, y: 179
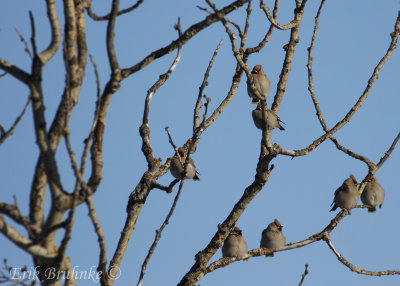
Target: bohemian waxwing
x: 271, y: 118
x: 346, y: 196
x: 177, y: 168
x: 373, y: 194
x: 234, y: 244
x: 261, y: 83
x: 272, y: 237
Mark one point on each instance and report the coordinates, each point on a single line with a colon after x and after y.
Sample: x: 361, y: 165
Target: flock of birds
x: 346, y: 196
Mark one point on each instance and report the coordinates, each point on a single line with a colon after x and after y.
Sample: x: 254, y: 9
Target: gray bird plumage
x: 271, y: 118
x: 373, y: 194
x: 234, y: 244
x: 346, y: 196
x: 272, y: 237
x: 261, y: 83
x: 177, y: 168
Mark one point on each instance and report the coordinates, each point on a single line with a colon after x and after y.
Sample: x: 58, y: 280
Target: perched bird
x: 261, y: 83
x: 177, y: 168
x: 234, y: 244
x: 346, y: 196
x: 373, y: 194
x: 271, y: 118
x: 272, y: 237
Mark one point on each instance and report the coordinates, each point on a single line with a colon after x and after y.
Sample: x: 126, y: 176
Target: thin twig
x: 33, y: 34
x: 273, y: 21
x: 264, y: 41
x: 21, y: 218
x: 79, y: 183
x: 186, y: 36
x: 355, y: 268
x: 184, y: 166
x: 229, y: 21
x: 158, y: 235
x: 107, y: 17
x: 388, y: 152
x: 314, y: 97
x: 243, y: 37
x: 304, y: 275
x: 162, y: 78
x: 144, y: 128
x: 96, y: 117
x: 167, y: 189
x: 196, y: 116
x: 27, y: 50
x: 142, y: 190
x: 240, y: 60
x: 101, y: 268
x: 170, y: 140
x: 5, y: 134
x: 289, y: 55
x: 394, y: 35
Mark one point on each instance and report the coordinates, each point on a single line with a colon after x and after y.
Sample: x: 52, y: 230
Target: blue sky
x: 352, y: 38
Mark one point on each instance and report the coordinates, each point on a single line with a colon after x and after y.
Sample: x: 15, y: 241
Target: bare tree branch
x: 13, y: 212
x: 36, y: 60
x: 243, y: 37
x: 5, y: 134
x: 286, y: 67
x: 27, y: 50
x: 229, y: 21
x: 41, y: 228
x: 291, y: 25
x: 186, y: 36
x: 196, y: 117
x: 24, y: 243
x: 158, y: 235
x: 144, y: 129
x: 112, y: 57
x: 304, y: 275
x: 198, y: 270
x: 15, y: 72
x: 322, y: 235
x: 351, y: 112
x: 370, y: 164
x: 258, y: 48
x: 107, y: 17
x: 101, y: 268
x: 138, y: 196
x: 357, y: 269
x: 388, y: 152
x: 95, y: 119
x: 47, y: 54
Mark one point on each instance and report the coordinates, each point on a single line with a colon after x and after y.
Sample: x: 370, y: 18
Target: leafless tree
x: 41, y: 229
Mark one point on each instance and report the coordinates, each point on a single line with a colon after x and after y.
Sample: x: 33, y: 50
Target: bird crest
x: 278, y: 224
x: 257, y: 69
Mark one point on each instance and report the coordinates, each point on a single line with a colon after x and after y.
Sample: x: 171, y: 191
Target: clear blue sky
x: 353, y: 36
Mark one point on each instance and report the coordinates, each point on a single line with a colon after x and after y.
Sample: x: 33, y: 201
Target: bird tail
x: 334, y: 208
x: 279, y: 123
x: 254, y: 101
x: 372, y: 209
x: 196, y: 178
